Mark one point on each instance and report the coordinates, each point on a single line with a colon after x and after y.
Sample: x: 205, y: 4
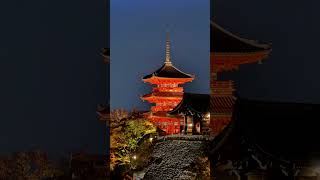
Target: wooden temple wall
x: 169, y: 126
x: 218, y: 123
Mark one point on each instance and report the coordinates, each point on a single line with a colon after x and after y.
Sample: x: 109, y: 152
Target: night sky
x: 138, y: 32
x: 291, y: 73
x: 52, y: 75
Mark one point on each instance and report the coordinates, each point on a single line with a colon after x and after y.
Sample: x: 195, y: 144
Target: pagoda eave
x: 155, y: 99
x: 162, y: 80
x: 231, y: 61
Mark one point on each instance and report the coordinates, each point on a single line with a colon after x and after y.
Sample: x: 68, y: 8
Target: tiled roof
x: 222, y: 104
x: 222, y: 41
x: 169, y: 71
x: 194, y: 103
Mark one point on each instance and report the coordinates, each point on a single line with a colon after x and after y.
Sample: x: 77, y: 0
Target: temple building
x: 267, y: 140
x: 166, y: 94
x: 194, y: 109
x: 256, y: 140
x: 227, y: 53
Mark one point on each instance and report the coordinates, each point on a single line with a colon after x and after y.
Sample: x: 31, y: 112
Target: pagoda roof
x: 203, y: 103
x: 103, y: 109
x: 192, y: 104
x: 104, y: 112
x: 106, y: 54
x: 223, y: 41
x: 106, y: 51
x: 168, y: 71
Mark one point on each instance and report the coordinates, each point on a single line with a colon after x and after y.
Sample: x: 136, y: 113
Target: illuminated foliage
x: 117, y: 117
x: 126, y: 131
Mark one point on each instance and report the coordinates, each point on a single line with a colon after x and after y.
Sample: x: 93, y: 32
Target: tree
x: 126, y: 130
x: 31, y: 165
x: 21, y: 166
x: 5, y: 170
x: 117, y: 117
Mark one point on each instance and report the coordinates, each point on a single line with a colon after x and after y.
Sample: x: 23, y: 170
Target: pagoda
x: 103, y: 110
x: 227, y: 53
x: 166, y: 94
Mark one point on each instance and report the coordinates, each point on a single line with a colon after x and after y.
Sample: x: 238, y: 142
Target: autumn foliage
x: 127, y: 130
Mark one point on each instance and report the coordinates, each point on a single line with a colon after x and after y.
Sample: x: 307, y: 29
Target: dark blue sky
x: 138, y: 31
x: 291, y: 73
x: 52, y: 75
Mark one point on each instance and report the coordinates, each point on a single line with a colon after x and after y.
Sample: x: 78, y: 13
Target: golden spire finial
x: 168, y: 56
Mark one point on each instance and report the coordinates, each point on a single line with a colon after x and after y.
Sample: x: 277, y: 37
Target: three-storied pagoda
x: 167, y: 93
x: 227, y: 52
x: 103, y: 110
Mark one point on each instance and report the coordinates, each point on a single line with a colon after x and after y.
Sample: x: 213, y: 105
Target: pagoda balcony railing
x: 222, y: 84
x: 168, y: 94
x: 222, y: 87
x: 168, y: 89
x: 168, y: 85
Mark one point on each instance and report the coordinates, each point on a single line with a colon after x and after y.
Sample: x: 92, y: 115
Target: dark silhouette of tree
x: 31, y: 165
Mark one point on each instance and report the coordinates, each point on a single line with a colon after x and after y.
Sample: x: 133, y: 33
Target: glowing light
x: 134, y: 157
x: 150, y: 139
x: 190, y: 125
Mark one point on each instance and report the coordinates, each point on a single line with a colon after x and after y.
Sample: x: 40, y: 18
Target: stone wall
x: 177, y: 159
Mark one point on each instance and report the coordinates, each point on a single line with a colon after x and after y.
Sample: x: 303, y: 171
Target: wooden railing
x: 222, y: 87
x: 168, y: 89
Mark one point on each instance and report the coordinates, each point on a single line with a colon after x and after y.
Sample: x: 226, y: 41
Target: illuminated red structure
x: 166, y: 94
x: 227, y: 53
